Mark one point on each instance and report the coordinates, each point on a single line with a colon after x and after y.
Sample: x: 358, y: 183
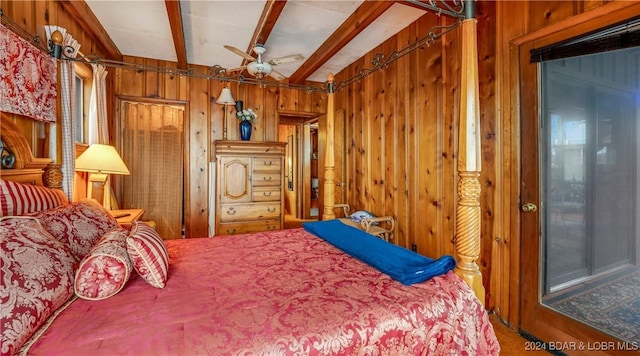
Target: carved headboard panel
x: 21, y: 166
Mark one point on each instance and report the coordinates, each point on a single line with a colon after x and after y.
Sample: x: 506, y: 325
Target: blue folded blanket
x: 399, y: 263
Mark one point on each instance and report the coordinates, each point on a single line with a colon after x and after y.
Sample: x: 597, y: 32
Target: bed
x: 287, y: 292
x: 284, y: 292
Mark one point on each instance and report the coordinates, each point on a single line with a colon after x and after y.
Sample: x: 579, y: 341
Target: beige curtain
x: 98, y: 125
x: 152, y: 140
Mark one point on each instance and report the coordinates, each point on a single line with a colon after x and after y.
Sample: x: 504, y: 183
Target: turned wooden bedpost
x: 468, y: 222
x: 329, y: 175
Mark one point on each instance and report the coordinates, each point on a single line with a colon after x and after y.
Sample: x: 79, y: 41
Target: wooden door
x: 234, y: 178
x: 571, y: 163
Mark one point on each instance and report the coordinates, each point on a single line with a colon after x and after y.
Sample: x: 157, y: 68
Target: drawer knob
x: 267, y: 163
x: 231, y: 231
x: 267, y: 179
x: 266, y: 194
x: 231, y: 211
x: 271, y: 210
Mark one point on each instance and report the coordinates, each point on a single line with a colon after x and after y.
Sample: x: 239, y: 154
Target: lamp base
x: 96, y: 186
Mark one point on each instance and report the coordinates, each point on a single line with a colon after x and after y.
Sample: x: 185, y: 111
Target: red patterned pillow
x: 78, y: 225
x: 106, y: 269
x: 36, y: 279
x: 148, y: 254
x: 20, y: 199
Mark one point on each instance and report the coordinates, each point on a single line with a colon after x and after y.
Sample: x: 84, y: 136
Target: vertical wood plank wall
x: 400, y: 129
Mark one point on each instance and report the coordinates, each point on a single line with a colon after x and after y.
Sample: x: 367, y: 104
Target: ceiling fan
x: 259, y: 68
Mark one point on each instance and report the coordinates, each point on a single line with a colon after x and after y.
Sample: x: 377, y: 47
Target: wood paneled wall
x: 400, y: 129
x: 205, y: 121
x: 401, y: 138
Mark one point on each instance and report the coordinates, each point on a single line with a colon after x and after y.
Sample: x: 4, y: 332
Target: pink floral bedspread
x: 278, y: 293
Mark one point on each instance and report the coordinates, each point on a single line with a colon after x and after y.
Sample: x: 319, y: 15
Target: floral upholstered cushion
x: 19, y: 199
x: 148, y: 254
x: 106, y: 269
x: 36, y: 279
x: 78, y: 225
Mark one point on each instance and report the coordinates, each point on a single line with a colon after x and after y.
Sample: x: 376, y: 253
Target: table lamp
x: 225, y: 99
x: 100, y: 161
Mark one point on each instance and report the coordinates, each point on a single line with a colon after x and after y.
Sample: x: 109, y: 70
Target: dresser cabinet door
x: 235, y: 184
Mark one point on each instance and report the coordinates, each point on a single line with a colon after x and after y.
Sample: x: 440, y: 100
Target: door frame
x: 302, y: 183
x: 536, y: 319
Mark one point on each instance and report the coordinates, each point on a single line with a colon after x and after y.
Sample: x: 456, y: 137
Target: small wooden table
x: 126, y: 217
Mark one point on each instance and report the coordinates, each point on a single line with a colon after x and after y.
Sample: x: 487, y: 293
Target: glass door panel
x: 589, y: 181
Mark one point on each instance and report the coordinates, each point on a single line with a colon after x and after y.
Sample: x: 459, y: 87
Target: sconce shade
x: 225, y: 97
x: 102, y: 159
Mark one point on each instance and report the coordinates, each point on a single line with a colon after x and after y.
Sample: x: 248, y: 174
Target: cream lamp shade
x: 225, y: 97
x: 102, y: 159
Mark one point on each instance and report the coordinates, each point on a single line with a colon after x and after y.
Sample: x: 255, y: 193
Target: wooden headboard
x: 25, y: 168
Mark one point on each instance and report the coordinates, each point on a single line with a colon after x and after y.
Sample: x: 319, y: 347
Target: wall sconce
x: 225, y: 99
x: 100, y: 161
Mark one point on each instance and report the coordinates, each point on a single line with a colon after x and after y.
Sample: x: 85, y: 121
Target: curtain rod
x: 217, y: 72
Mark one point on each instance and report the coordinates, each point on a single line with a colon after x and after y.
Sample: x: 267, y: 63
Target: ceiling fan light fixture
x: 259, y: 69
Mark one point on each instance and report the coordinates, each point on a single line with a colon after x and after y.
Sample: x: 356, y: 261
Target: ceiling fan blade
x: 277, y: 75
x: 286, y: 59
x: 236, y: 69
x: 240, y: 53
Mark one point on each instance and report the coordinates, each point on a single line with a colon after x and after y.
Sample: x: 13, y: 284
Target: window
x: 83, y: 83
x: 78, y: 120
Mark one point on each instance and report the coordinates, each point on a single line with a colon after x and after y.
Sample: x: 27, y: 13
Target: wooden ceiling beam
x: 366, y: 13
x: 177, y: 31
x: 81, y: 13
x: 270, y: 14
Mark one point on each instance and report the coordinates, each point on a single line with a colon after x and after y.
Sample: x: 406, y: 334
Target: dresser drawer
x: 266, y: 179
x: 266, y: 193
x: 244, y: 212
x: 248, y: 226
x: 267, y: 164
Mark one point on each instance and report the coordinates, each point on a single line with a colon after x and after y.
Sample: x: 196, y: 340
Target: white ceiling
x: 141, y: 28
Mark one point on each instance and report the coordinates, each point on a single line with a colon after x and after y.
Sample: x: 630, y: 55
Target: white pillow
x: 361, y: 214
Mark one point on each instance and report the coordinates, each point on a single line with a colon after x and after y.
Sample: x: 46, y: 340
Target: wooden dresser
x: 249, y: 184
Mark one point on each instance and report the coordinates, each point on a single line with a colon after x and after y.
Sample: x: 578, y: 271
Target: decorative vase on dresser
x: 245, y: 130
x: 248, y: 186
